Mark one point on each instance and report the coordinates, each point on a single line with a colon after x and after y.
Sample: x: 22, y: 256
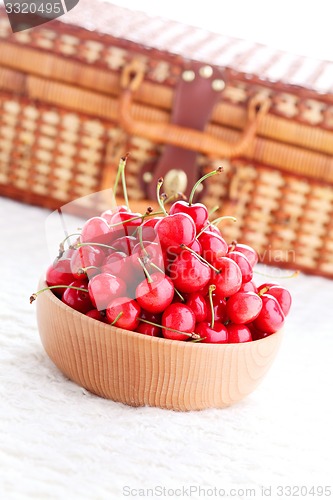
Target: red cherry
x: 127, y: 226
x: 219, y: 307
x: 77, y: 299
x: 174, y: 230
x: 197, y: 303
x: 86, y: 256
x: 59, y: 273
x: 124, y: 244
x: 129, y: 310
x: 188, y: 273
x: 118, y: 264
x: 256, y: 333
x: 107, y: 214
x: 244, y: 307
x: 105, y: 287
x: 93, y: 313
x: 229, y: 280
x: 95, y: 229
x: 213, y: 246
x: 196, y: 247
x: 250, y: 286
x: 271, y: 317
x: 238, y: 333
x: 147, y: 329
x: 216, y: 335
x: 151, y: 253
x: 197, y: 211
x: 249, y: 252
x: 157, y: 295
x: 244, y: 265
x: 148, y: 228
x: 177, y: 317
x: 281, y: 294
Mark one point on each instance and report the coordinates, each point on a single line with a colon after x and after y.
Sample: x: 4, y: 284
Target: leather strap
x: 194, y: 100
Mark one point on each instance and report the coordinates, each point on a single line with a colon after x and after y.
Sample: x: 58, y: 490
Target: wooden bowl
x: 139, y: 370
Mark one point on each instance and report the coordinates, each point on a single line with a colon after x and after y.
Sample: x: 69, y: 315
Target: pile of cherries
x: 166, y: 274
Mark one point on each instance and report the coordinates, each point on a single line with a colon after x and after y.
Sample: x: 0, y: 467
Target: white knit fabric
x: 57, y: 441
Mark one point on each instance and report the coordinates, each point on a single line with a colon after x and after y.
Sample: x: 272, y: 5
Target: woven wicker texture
x: 60, y: 134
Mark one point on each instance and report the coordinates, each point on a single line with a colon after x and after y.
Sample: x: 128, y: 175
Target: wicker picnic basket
x: 78, y: 92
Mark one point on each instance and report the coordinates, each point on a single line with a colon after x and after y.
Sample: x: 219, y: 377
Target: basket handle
x: 184, y: 137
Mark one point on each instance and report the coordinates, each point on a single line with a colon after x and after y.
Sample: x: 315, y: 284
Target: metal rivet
x: 206, y: 71
x: 188, y: 75
x: 147, y: 177
x: 175, y: 181
x: 218, y: 85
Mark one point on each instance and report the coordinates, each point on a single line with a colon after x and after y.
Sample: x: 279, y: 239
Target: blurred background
x: 303, y: 28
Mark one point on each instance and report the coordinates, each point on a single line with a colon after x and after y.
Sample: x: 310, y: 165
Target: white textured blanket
x: 57, y: 441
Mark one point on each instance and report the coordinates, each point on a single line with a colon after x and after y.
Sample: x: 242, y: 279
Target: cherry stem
x: 175, y: 196
x: 35, y: 295
x: 147, y: 214
x: 120, y: 174
x: 263, y: 290
x: 83, y: 270
x: 293, y: 275
x: 145, y: 270
x: 211, y: 289
x: 184, y: 247
x: 213, y: 210
x: 233, y: 245
x: 62, y: 244
x: 141, y: 240
x: 192, y: 335
x: 204, y: 177
x: 92, y: 243
x: 161, y: 271
x: 158, y: 189
x: 117, y: 317
x: 217, y: 221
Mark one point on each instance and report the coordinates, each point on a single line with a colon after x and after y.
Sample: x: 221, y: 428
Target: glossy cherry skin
x: 250, y: 286
x: 127, y: 226
x: 156, y: 296
x: 105, y: 287
x: 118, y: 264
x: 146, y: 329
x: 124, y: 244
x: 219, y: 307
x: 281, y: 294
x: 238, y: 333
x: 59, y: 273
x: 93, y: 313
x: 246, y: 250
x: 197, y: 211
x: 188, y: 273
x: 151, y: 253
x: 271, y: 317
x: 229, y: 280
x: 216, y: 335
x: 197, y: 303
x: 256, y: 333
x: 196, y: 246
x: 77, y: 299
x: 107, y: 214
x: 243, y: 307
x: 244, y: 265
x: 84, y: 257
x: 130, y: 310
x: 174, y: 230
x: 179, y: 317
x: 148, y: 228
x: 95, y: 229
x: 213, y: 246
